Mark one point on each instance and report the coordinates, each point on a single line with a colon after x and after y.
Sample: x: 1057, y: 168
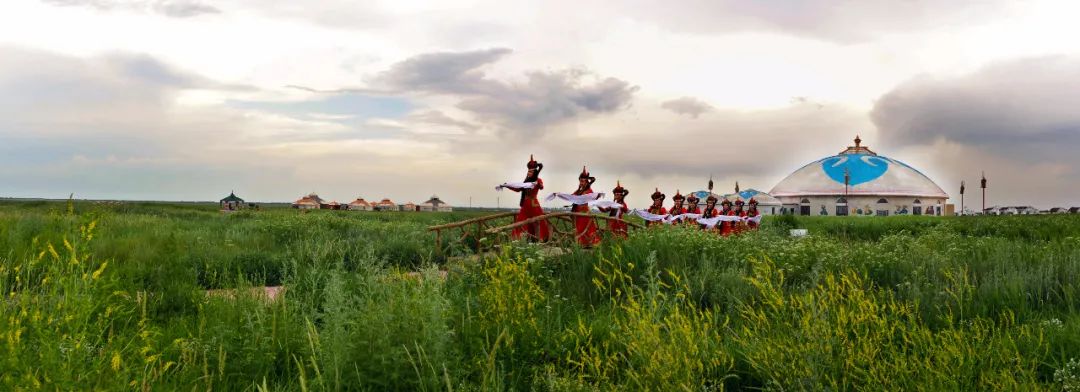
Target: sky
x: 274, y: 99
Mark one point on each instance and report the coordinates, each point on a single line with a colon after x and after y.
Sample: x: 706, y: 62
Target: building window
x: 882, y: 207
x: 841, y: 207
x: 804, y: 207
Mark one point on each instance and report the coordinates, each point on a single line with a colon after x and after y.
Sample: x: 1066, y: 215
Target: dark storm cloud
x: 687, y: 106
x: 838, y: 21
x: 1017, y: 119
x: 544, y: 98
x: 38, y: 86
x: 444, y: 72
x: 171, y: 8
x: 1012, y: 107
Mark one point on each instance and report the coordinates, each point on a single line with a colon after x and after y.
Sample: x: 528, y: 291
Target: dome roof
x: 762, y: 198
x: 868, y: 174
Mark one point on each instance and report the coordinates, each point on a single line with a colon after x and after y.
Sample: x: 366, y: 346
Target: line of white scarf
x: 515, y: 185
x: 608, y: 204
x: 576, y: 199
x: 650, y: 216
x: 675, y: 218
x: 711, y: 222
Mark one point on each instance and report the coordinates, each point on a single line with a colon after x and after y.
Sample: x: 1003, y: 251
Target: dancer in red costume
x: 752, y: 213
x: 617, y: 227
x: 692, y: 204
x: 710, y: 210
x: 530, y: 206
x: 584, y: 227
x: 740, y: 226
x: 657, y: 206
x: 726, y: 227
x: 677, y: 204
x: 691, y: 208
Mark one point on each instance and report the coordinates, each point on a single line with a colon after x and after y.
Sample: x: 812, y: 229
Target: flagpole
x: 961, y: 197
x: 847, y: 180
x: 983, y: 186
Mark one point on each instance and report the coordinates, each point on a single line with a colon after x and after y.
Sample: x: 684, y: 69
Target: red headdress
x: 726, y: 202
x: 678, y: 197
x: 585, y: 175
x: 658, y: 196
x: 692, y: 199
x: 739, y: 202
x: 619, y: 189
x: 711, y: 199
x: 533, y: 164
x: 753, y: 202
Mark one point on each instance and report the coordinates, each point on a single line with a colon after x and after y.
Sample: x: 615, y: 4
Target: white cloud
x: 799, y: 79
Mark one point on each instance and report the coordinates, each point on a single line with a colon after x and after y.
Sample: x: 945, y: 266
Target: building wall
x: 868, y: 204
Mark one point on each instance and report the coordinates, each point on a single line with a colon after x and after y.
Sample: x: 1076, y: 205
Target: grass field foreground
x: 113, y: 297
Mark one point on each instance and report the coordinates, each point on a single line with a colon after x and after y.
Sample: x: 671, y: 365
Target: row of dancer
x: 729, y: 218
x: 581, y: 199
x: 725, y: 221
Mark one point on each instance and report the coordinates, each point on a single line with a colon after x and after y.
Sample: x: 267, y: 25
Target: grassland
x: 113, y: 298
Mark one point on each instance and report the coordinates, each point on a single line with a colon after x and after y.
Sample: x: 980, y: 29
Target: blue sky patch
x: 359, y: 106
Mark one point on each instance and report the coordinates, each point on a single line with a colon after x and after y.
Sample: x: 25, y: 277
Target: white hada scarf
x: 676, y: 218
x: 651, y: 217
x: 576, y: 200
x: 515, y: 185
x: 608, y: 204
x: 712, y: 222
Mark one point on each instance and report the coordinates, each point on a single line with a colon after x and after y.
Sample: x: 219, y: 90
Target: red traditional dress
x: 618, y: 227
x: 710, y: 211
x: 530, y: 206
x: 752, y: 213
x: 692, y: 204
x: 740, y: 226
x: 584, y: 227
x: 691, y: 208
x: 726, y: 228
x: 657, y: 207
x: 677, y: 206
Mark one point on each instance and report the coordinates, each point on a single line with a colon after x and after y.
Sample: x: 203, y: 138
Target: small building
x: 434, y: 204
x: 1058, y: 210
x: 386, y: 205
x: 231, y: 202
x: 359, y: 205
x: 310, y: 202
x: 1026, y: 210
x: 410, y: 206
x: 334, y: 205
x: 1074, y: 210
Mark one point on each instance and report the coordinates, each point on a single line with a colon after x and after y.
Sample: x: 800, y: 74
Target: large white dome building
x: 858, y: 181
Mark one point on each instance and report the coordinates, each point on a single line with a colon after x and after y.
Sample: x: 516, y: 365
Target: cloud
x: 543, y: 99
x: 171, y: 8
x: 444, y: 72
x: 846, y: 22
x: 1017, y: 114
x: 687, y: 106
x: 757, y: 147
x: 113, y: 126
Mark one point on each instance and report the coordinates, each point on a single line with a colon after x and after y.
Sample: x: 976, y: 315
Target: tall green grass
x: 113, y: 298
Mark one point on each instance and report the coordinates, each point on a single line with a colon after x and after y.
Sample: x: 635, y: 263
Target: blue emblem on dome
x: 862, y: 167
